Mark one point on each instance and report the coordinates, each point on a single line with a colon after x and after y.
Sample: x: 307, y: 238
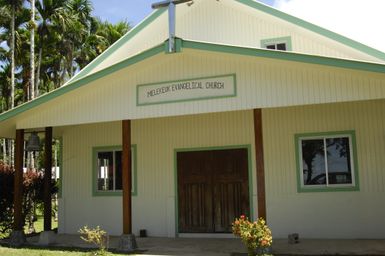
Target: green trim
x: 189, y: 99
x: 289, y: 56
x: 61, y: 169
x: 253, y: 52
x: 314, y: 28
x: 250, y: 175
x: 178, y: 46
x: 300, y: 188
x: 79, y: 83
x: 96, y: 192
x: 110, y: 50
x: 278, y: 40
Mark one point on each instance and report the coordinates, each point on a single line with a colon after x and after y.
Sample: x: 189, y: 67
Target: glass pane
x: 118, y: 170
x: 313, y: 162
x: 272, y: 46
x: 105, y: 170
x: 281, y: 47
x: 339, y: 164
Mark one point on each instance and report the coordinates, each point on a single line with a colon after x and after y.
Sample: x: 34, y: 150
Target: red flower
x: 243, y: 217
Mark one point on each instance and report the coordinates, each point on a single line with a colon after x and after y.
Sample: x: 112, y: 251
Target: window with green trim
x: 326, y: 161
x: 108, y: 170
x: 280, y: 44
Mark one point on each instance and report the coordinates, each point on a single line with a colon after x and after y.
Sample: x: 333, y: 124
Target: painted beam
x: 48, y: 179
x: 18, y: 182
x: 127, y: 177
x: 258, y: 133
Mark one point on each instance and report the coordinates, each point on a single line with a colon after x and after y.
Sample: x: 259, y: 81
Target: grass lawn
x: 37, y: 252
x: 4, y: 251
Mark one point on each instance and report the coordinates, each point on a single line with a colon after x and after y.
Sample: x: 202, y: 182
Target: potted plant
x: 255, y: 235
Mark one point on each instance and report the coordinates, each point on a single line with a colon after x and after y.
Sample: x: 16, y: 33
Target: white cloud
x: 360, y: 20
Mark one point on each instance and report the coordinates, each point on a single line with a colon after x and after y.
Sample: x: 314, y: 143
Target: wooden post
x: 258, y: 133
x: 18, y: 182
x: 48, y: 179
x: 126, y: 176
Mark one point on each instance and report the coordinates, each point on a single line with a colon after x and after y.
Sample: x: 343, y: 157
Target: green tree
x: 14, y: 5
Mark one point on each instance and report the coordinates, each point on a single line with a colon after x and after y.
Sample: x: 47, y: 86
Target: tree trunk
x: 4, y: 151
x: 12, y: 48
x: 32, y: 88
x: 37, y: 82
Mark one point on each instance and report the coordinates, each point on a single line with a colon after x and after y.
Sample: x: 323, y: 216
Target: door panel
x: 195, y: 195
x: 212, y: 189
x: 231, y: 190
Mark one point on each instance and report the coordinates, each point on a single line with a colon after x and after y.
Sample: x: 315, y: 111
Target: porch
x: 231, y: 246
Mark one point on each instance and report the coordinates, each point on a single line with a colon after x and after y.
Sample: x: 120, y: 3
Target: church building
x: 243, y: 110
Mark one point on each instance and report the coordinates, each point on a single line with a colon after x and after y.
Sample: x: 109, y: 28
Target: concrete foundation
x: 127, y: 243
x: 17, y: 238
x: 47, y: 238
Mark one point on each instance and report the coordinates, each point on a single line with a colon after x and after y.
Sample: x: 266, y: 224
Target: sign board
x: 186, y: 90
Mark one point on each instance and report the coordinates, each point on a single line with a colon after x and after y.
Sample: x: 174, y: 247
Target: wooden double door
x: 213, y: 189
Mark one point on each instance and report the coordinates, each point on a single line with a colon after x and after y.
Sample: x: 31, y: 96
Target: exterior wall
x: 156, y: 140
x: 355, y: 214
x: 261, y: 83
x: 326, y: 214
x: 230, y: 22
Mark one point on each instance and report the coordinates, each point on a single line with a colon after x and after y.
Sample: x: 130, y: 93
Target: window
x: 326, y: 162
x: 281, y: 44
x: 108, y: 170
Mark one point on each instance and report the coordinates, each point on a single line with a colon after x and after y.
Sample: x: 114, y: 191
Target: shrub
x: 255, y: 235
x: 33, y: 189
x: 96, y: 236
x: 6, y: 199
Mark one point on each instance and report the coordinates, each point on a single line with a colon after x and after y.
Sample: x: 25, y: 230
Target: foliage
x: 6, y: 199
x: 96, y: 236
x: 33, y: 191
x: 255, y: 235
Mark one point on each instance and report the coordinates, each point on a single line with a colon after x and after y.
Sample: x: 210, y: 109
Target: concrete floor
x: 231, y: 246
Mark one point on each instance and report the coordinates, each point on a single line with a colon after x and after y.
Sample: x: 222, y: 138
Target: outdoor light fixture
x: 33, y: 143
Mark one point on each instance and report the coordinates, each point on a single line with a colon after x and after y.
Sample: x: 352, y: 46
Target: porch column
x: 258, y: 134
x: 127, y: 240
x: 48, y: 179
x: 18, y: 189
x: 17, y: 236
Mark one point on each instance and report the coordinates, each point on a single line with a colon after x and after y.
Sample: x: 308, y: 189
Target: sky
x: 360, y: 20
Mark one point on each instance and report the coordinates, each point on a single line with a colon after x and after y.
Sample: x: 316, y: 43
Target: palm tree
x: 32, y: 57
x: 102, y: 35
x: 53, y: 18
x: 15, y: 5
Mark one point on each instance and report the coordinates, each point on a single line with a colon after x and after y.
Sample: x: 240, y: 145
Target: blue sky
x: 132, y: 11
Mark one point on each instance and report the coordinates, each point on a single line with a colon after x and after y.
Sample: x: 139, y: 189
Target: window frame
x: 278, y: 40
x: 95, y: 151
x: 301, y: 187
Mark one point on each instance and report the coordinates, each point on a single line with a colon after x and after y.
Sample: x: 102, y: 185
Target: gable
x: 264, y: 79
x: 243, y: 23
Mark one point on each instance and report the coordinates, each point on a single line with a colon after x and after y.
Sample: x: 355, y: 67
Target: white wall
x: 261, y: 83
x: 356, y: 214
x: 156, y: 140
